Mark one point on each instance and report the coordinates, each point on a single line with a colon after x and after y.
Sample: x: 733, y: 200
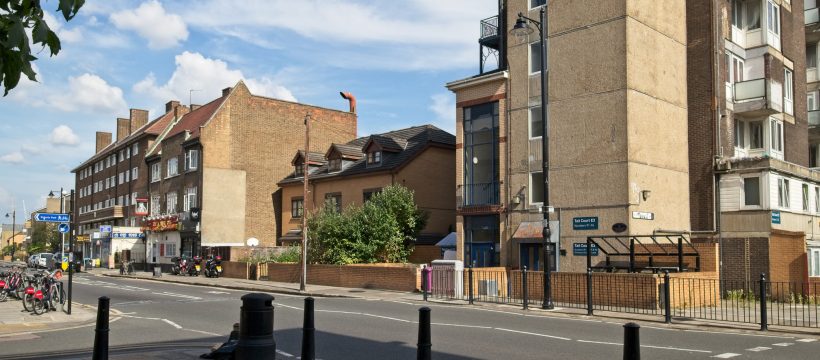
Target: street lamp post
x: 62, y: 210
x: 522, y: 29
x: 13, y: 231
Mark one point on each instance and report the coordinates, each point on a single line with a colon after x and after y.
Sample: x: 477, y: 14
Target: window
x: 299, y: 169
x: 171, y: 203
x: 756, y: 135
x: 155, y: 205
x: 788, y: 92
x: 536, y: 3
x: 737, y: 14
x: 121, y: 178
x: 817, y: 199
x: 297, y: 207
x: 122, y: 155
x: 773, y: 17
x: 740, y: 134
x: 191, y: 160
x: 134, y: 172
x: 135, y: 149
x: 335, y: 164
x: 751, y: 191
x: 127, y: 175
x: 783, y: 193
x: 119, y: 200
x: 368, y: 193
x: 811, y: 55
x: 168, y: 250
x: 374, y: 158
x: 128, y: 152
x: 537, y: 188
x: 156, y: 173
x: 811, y: 101
x: 134, y: 198
x: 752, y: 15
x: 172, y: 167
x: 482, y: 241
x: 189, y: 199
x: 535, y: 57
x: 481, y: 155
x: 814, y: 261
x: 735, y: 66
x: 536, y: 125
x: 776, y: 134
x: 805, y: 197
x: 334, y: 201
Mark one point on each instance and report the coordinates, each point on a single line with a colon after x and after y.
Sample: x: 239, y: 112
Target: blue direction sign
x: 585, y: 223
x: 580, y: 249
x: 63, y: 228
x: 48, y: 217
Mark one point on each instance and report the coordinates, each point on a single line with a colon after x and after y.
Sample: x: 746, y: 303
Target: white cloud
x: 444, y: 107
x: 32, y: 149
x: 90, y: 93
x: 63, y: 136
x: 209, y: 76
x: 406, y: 35
x: 150, y: 21
x: 13, y: 158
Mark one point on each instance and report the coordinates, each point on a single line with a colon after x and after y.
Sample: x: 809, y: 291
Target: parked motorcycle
x: 195, y: 266
x: 179, y: 265
x: 213, y: 266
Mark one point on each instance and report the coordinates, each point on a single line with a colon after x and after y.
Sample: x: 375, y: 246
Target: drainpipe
x: 717, y: 59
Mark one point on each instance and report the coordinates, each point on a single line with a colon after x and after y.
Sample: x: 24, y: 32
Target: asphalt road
x: 155, y: 318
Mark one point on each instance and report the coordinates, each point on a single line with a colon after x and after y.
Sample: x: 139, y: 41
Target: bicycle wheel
x: 53, y: 298
x: 63, y: 301
x: 3, y: 294
x: 28, y: 301
x: 39, y: 306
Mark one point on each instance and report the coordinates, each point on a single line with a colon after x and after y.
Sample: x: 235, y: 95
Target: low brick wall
x: 234, y: 269
x: 398, y: 277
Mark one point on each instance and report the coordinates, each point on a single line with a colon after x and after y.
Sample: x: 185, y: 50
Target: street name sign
x: 50, y: 217
x: 580, y: 249
x: 776, y: 217
x: 585, y: 223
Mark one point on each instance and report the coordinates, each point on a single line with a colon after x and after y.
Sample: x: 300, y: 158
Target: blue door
x: 532, y: 256
x: 482, y: 254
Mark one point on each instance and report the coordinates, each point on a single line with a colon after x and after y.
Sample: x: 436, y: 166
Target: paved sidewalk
x: 14, y: 319
x: 264, y: 285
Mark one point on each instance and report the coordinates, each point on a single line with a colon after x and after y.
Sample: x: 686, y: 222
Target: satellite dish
x: 252, y: 242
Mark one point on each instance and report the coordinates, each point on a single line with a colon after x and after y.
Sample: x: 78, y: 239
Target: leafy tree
x: 381, y: 230
x: 44, y: 238
x: 15, y: 46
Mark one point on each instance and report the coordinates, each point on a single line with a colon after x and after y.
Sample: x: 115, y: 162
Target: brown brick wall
x: 787, y: 258
x: 744, y: 259
x: 367, y: 276
x: 793, y: 44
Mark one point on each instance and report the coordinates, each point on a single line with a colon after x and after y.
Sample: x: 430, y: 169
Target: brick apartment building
x: 211, y: 172
x: 419, y: 158
x: 651, y: 113
x: 617, y: 119
x: 109, y: 183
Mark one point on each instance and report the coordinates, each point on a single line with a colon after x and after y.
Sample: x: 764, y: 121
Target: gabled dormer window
x: 334, y: 165
x: 299, y: 169
x: 374, y: 158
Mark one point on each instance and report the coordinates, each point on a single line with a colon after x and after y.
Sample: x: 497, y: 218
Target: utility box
x: 447, y: 278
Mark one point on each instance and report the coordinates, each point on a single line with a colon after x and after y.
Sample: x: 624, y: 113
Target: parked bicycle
x: 126, y: 267
x: 50, y: 294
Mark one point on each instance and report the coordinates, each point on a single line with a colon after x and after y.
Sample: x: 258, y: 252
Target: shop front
x: 127, y: 243
x: 163, y: 240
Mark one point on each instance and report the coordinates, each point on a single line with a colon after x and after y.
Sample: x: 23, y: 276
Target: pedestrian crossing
x: 177, y: 297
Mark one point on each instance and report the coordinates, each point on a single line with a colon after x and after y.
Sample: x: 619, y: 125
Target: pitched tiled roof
x: 153, y: 127
x: 191, y: 122
x: 314, y: 157
x: 347, y: 151
x: 415, y: 140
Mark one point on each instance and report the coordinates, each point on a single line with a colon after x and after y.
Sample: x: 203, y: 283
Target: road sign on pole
x: 63, y: 228
x: 50, y: 217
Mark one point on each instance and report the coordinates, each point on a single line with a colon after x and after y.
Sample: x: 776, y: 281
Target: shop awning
x: 529, y: 230
x: 448, y: 241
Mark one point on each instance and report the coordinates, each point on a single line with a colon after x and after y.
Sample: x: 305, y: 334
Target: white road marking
x: 389, y: 318
x: 759, y: 349
x: 218, y: 292
x: 738, y: 334
x: 280, y: 352
x: 534, y: 334
x: 165, y: 293
x: 725, y: 355
x: 401, y: 302
x: 169, y: 322
x: 806, y: 340
x: 783, y: 344
x: 204, y: 332
x: 464, y: 326
x: 647, y: 346
x: 600, y: 342
x: 288, y: 306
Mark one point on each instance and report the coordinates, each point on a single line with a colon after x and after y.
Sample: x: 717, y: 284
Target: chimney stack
x: 226, y: 91
x: 123, y: 128
x: 138, y: 119
x: 103, y: 140
x: 171, y: 105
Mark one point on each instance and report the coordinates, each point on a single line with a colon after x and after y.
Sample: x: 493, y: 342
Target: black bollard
x: 632, y: 342
x: 764, y: 313
x: 589, y: 292
x: 470, y: 285
x: 525, y: 289
x: 256, y: 328
x: 101, y: 332
x: 425, y: 346
x: 308, y: 332
x: 425, y: 285
x: 667, y: 298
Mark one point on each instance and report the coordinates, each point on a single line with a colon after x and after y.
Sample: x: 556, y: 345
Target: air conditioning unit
x: 488, y: 287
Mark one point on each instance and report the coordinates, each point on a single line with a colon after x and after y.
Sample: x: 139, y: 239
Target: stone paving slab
x: 14, y: 319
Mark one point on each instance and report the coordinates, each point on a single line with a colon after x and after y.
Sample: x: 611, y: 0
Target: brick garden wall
x: 397, y: 277
x: 234, y: 269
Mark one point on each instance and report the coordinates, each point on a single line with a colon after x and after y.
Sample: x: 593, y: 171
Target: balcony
x: 489, y: 32
x: 758, y: 97
x: 477, y: 194
x: 811, y: 16
x: 814, y: 118
x: 112, y: 212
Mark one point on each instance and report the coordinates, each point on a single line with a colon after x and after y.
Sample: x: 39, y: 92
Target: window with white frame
x: 751, y: 191
x: 128, y: 152
x: 805, y: 189
x: 134, y: 172
x: 170, y: 250
x: 121, y: 178
x: 334, y: 164
x: 122, y: 155
x: 783, y: 193
x: 191, y: 159
x: 172, y: 167
x: 134, y: 198
x: 135, y: 149
x: 748, y: 134
x: 537, y: 3
x: 735, y: 66
x: 814, y: 261
x: 155, y: 205
x: 811, y: 101
x: 297, y: 207
x: 156, y: 172
x: 776, y: 134
x: 537, y: 188
x: 120, y: 201
x: 171, y: 203
x: 535, y: 57
x: 536, y: 123
x: 127, y: 175
x: 817, y: 199
x: 788, y: 92
x: 374, y: 157
x: 189, y: 199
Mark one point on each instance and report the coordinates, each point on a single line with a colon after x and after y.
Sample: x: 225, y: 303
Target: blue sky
x: 395, y: 56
